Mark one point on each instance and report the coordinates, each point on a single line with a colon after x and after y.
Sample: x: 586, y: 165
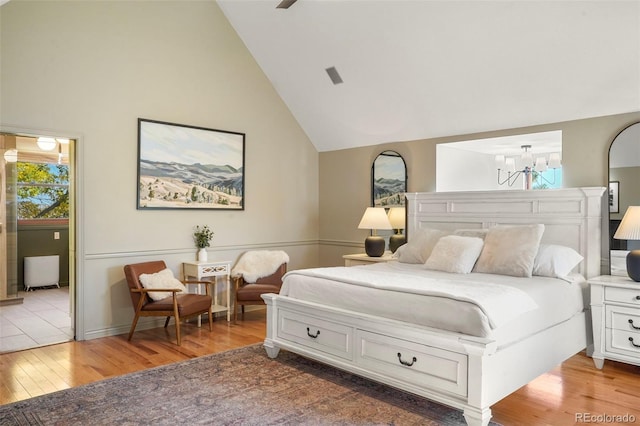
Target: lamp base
x: 374, y: 246
x: 395, y: 241
x: 633, y: 265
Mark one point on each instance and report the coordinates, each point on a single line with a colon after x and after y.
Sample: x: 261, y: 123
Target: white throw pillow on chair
x: 161, y: 280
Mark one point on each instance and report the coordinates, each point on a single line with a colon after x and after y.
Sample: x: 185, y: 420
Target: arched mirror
x: 388, y: 185
x: 624, y: 191
x: 388, y: 180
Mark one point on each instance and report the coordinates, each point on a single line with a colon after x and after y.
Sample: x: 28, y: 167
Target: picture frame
x: 189, y: 167
x: 614, y: 197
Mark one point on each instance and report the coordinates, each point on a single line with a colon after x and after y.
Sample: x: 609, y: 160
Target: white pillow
x: 163, y: 279
x: 456, y: 254
x: 419, y: 247
x: 555, y: 261
x: 510, y: 250
x: 478, y: 233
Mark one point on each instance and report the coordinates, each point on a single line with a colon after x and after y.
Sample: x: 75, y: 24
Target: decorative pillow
x: 477, y: 233
x: 555, y: 261
x: 456, y: 254
x: 419, y: 247
x: 510, y: 250
x: 163, y: 279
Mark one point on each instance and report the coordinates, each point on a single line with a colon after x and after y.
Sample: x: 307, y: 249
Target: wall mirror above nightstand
x: 624, y: 174
x: 388, y: 180
x: 388, y: 186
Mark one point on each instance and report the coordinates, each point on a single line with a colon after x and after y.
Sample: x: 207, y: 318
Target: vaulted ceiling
x: 415, y: 69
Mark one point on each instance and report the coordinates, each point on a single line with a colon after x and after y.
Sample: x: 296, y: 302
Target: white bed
x: 543, y: 301
x: 469, y: 368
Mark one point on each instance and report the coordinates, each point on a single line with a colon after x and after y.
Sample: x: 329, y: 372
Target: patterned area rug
x: 238, y: 387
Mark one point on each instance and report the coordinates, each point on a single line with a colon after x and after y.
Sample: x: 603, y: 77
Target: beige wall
x: 345, y: 175
x: 89, y: 70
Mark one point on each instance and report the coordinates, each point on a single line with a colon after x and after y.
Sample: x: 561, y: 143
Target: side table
x: 363, y: 259
x: 200, y: 270
x: 615, y: 313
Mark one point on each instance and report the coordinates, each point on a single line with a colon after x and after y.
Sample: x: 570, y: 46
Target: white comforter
x: 500, y: 307
x: 500, y: 303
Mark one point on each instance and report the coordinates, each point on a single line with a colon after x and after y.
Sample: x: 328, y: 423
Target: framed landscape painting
x: 189, y: 167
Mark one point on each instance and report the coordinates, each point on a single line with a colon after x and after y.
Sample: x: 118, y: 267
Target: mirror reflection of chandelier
x: 526, y: 167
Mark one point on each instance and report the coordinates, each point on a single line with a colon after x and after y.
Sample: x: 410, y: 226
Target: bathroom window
x: 42, y: 191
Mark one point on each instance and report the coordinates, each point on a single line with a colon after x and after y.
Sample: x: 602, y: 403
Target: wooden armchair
x: 251, y: 282
x: 179, y: 306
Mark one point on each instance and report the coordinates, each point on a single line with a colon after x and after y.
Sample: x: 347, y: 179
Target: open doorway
x: 36, y: 241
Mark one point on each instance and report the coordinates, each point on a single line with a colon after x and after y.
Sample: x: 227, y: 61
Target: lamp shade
x: 510, y: 165
x: 629, y: 228
x: 541, y: 164
x: 374, y: 218
x: 397, y: 217
x: 527, y: 159
x: 554, y: 161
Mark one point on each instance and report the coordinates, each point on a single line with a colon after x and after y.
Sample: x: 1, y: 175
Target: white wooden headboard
x: 572, y: 216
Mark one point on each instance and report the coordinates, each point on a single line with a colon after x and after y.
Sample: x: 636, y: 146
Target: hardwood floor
x: 572, y: 393
x: 47, y: 369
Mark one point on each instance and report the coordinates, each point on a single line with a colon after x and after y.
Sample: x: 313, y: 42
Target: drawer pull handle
x: 408, y: 364
x: 633, y: 344
x: 311, y: 335
x: 635, y: 327
x: 637, y: 297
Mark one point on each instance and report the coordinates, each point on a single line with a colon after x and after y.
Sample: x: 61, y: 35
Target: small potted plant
x: 202, y: 237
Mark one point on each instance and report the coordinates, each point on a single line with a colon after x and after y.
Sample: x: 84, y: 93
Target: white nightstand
x: 615, y: 313
x: 200, y: 270
x: 363, y: 259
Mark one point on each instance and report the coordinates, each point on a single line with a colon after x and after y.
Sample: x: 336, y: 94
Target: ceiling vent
x: 285, y: 4
x: 333, y: 75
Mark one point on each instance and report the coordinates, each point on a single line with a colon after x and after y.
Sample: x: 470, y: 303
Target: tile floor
x: 42, y: 319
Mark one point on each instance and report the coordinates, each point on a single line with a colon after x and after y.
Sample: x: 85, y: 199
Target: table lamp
x: 374, y: 218
x: 397, y: 219
x: 629, y: 229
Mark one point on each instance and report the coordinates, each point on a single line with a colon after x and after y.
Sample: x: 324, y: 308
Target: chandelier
x: 527, y: 167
